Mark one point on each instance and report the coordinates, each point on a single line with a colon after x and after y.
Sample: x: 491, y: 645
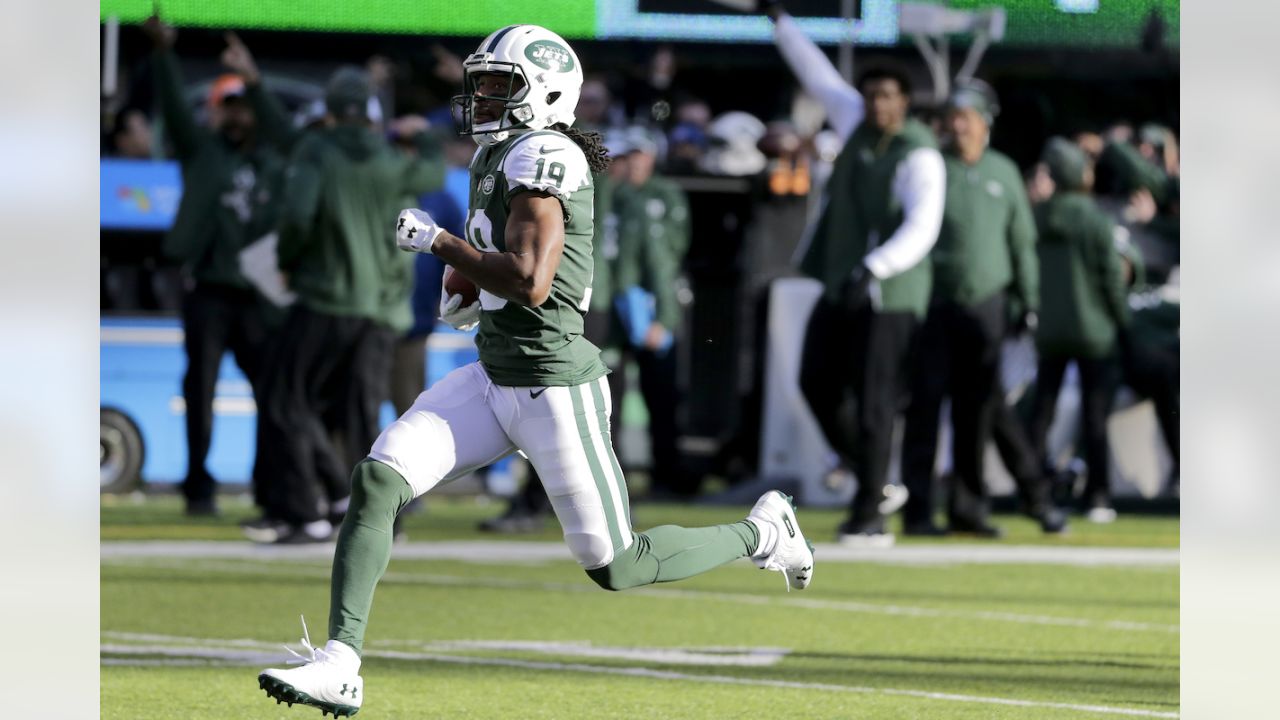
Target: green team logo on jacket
x: 550, y: 56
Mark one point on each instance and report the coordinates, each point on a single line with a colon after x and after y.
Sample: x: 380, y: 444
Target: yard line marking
x: 499, y: 551
x: 852, y: 606
x: 172, y: 655
x: 738, y: 657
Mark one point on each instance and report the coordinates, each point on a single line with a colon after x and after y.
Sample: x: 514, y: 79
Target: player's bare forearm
x: 512, y: 275
x: 534, y: 242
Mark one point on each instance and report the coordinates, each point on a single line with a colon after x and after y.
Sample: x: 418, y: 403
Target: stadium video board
x: 1029, y: 22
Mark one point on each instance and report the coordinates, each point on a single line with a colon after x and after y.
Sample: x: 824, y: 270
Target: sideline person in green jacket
x: 1083, y: 314
x: 230, y: 198
x: 344, y: 185
x: 881, y: 211
x: 652, y: 237
x: 985, y: 277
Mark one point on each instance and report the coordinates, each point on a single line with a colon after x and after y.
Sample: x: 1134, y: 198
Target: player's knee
x: 591, y: 551
x: 377, y: 487
x: 630, y: 568
x: 621, y: 574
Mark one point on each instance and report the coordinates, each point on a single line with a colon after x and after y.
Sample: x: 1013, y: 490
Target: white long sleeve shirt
x: 920, y: 180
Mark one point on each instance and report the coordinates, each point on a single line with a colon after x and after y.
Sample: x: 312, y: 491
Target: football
x: 455, y: 283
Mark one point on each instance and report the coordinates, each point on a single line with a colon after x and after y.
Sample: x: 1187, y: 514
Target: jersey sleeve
x: 550, y: 163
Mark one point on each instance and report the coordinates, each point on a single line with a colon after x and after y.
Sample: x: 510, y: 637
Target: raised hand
x: 162, y: 34
x: 239, y: 60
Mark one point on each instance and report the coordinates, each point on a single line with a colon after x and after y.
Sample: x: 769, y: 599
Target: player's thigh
x: 564, y: 432
x: 448, y: 431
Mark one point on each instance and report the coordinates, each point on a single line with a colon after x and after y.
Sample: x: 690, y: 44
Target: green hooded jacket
x: 1082, y: 290
x: 345, y: 186
x: 230, y: 198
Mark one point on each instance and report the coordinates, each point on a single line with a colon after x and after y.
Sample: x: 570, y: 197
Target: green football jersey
x: 543, y: 346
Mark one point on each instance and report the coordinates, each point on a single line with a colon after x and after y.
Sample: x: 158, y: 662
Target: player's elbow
x: 531, y: 291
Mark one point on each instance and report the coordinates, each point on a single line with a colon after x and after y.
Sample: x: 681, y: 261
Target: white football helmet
x: 550, y: 82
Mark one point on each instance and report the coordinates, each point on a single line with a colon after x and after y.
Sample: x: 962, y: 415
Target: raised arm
x: 844, y: 105
x: 920, y: 186
x: 274, y: 125
x: 179, y: 121
x: 424, y: 169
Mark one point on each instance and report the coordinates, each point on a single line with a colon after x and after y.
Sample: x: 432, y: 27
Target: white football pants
x: 465, y: 422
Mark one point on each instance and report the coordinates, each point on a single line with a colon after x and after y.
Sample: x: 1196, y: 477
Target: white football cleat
x: 792, y: 555
x: 327, y: 679
x: 1101, y: 515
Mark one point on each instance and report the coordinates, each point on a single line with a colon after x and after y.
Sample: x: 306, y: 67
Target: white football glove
x: 416, y: 231
x: 451, y: 310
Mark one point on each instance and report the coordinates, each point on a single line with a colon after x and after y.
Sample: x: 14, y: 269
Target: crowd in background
x: 1078, y: 251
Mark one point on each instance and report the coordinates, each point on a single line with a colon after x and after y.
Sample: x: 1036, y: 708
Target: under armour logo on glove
x: 416, y: 231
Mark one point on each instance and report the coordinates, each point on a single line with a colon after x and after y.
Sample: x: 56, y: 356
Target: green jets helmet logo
x: 550, y: 56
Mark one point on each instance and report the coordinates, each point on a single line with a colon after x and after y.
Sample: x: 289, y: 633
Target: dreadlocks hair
x: 592, y: 144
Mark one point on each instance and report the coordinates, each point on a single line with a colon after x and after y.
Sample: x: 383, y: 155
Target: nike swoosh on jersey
x: 534, y: 394
x: 544, y: 150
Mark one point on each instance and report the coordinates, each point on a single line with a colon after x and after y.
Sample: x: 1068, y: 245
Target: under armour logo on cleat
x: 400, y: 226
x: 786, y: 520
x: 411, y: 232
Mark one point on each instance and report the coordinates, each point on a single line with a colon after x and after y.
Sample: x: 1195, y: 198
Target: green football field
x: 466, y: 625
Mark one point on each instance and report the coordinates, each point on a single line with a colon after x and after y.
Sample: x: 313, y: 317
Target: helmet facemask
x: 515, y: 114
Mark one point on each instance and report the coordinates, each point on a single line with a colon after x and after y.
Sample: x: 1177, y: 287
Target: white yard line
x: 789, y: 600
x: 500, y: 551
x: 171, y: 654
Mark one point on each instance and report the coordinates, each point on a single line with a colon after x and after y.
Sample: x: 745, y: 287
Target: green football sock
x: 378, y: 493
x: 670, y: 552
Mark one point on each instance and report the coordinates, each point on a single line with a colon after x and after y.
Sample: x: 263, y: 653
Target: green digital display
x: 569, y: 18
x: 1114, y: 23
x: 1030, y: 23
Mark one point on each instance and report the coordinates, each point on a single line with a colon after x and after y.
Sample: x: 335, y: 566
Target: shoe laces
x: 774, y: 563
x: 314, y: 654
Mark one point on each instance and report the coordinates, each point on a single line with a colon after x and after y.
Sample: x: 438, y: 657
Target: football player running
x: 539, y: 387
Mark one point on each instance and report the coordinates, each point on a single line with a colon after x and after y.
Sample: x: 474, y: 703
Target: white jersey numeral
x: 480, y: 235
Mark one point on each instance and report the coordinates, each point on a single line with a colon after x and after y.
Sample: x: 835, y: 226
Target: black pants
x: 1098, y: 380
x: 958, y: 356
x: 215, y: 319
x: 408, y: 371
x: 658, y: 386
x: 1018, y: 455
x: 359, y: 394
x: 1153, y: 372
x: 860, y: 356
x: 315, y: 365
